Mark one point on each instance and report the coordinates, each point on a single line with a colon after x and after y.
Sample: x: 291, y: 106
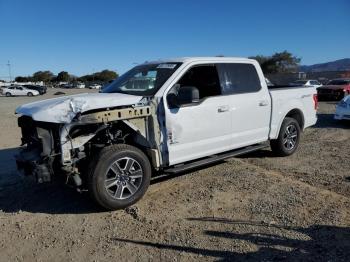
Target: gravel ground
x: 256, y: 207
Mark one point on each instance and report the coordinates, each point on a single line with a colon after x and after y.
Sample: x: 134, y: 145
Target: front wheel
x: 8, y: 94
x: 288, y: 138
x: 29, y: 94
x: 119, y: 177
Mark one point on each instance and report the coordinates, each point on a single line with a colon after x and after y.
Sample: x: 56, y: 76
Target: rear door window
x: 238, y: 78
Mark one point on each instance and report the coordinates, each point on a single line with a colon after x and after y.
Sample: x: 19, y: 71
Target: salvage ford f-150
x: 164, y: 116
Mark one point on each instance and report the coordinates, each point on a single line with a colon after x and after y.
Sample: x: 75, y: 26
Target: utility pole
x: 9, y: 65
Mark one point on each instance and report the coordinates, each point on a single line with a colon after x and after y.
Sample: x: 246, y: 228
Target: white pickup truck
x: 163, y: 116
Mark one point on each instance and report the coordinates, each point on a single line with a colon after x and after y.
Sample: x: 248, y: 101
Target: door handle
x: 263, y: 103
x: 222, y: 109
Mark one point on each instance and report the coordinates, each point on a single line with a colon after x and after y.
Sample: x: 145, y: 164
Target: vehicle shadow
x: 18, y: 193
x: 162, y: 177
x: 317, y: 243
x: 262, y: 153
x: 328, y: 121
x: 323, y: 121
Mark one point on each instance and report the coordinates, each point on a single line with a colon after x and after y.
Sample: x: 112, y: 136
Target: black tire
x: 8, y: 94
x: 107, y: 168
x: 29, y: 94
x: 285, y: 144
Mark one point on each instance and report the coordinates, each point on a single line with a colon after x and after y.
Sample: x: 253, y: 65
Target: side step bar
x: 214, y: 158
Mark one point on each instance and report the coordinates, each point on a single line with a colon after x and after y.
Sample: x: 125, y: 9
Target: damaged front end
x: 69, y: 148
x: 37, y: 154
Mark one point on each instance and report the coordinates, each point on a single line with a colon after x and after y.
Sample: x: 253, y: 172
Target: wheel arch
x: 136, y: 136
x: 298, y: 115
x: 295, y: 113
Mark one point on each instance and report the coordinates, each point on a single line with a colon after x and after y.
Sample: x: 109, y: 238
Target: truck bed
x: 286, y: 97
x: 284, y: 87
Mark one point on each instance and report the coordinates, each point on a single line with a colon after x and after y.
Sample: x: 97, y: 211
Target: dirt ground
x: 253, y: 208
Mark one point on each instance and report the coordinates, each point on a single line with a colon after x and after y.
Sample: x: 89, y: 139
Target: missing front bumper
x: 29, y: 163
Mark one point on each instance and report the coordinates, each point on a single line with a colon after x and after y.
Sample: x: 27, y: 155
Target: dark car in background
x: 335, y: 89
x: 40, y: 89
x: 66, y: 85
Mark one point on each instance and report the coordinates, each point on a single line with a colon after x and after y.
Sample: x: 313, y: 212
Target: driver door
x: 202, y: 128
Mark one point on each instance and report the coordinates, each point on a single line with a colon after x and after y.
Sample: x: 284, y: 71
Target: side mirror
x: 184, y: 95
x: 188, y: 95
x: 172, y: 100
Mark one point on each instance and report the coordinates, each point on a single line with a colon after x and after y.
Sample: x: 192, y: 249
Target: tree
x: 261, y: 59
x: 22, y: 79
x: 103, y: 76
x: 63, y: 77
x: 283, y: 62
x: 85, y: 78
x: 106, y: 75
x: 45, y: 76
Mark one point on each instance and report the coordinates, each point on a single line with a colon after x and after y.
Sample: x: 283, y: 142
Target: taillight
x: 315, y: 101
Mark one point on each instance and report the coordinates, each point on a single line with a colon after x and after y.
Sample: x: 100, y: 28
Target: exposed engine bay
x: 68, y: 148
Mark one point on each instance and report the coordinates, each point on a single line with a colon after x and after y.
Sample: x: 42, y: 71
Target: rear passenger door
x: 249, y: 103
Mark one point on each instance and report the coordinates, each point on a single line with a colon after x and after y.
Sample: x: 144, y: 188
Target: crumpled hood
x: 64, y: 109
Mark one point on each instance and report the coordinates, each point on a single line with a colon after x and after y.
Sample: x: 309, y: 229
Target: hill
x: 338, y: 65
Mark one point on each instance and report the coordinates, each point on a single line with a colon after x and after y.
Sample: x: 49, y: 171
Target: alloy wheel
x: 123, y: 178
x: 290, y: 137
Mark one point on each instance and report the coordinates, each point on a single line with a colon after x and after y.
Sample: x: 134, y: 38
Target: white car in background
x: 19, y: 91
x: 342, y: 111
x: 80, y: 85
x: 95, y: 86
x: 308, y: 83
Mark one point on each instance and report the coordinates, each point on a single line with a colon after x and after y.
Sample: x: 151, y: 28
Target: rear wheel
x: 119, y: 177
x: 29, y: 94
x: 8, y: 94
x: 288, y: 138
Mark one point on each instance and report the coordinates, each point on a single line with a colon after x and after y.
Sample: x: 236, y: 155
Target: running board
x: 212, y: 159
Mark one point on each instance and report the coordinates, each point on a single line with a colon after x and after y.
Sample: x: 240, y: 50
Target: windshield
x: 143, y: 80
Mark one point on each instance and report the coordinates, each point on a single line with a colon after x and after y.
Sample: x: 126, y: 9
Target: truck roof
x: 198, y: 59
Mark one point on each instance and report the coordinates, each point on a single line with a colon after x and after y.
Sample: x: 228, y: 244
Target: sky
x: 82, y: 37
